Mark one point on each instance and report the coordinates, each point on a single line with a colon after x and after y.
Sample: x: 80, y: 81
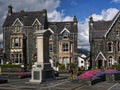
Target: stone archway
x: 100, y: 64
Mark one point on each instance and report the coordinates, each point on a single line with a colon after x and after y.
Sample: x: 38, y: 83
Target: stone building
x: 19, y: 38
x: 104, y: 38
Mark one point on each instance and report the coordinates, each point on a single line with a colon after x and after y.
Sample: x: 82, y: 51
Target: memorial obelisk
x: 42, y: 70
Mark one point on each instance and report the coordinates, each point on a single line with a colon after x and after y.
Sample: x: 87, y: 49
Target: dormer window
x: 17, y: 29
x: 17, y: 26
x: 50, y: 38
x: 65, y: 35
x: 37, y: 25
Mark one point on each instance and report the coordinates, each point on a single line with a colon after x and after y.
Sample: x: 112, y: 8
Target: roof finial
x: 91, y: 19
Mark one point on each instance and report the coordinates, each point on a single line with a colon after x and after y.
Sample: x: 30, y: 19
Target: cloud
x: 83, y: 35
x: 68, y: 18
x: 105, y: 14
x: 116, y: 1
x: 29, y: 5
x: 54, y: 15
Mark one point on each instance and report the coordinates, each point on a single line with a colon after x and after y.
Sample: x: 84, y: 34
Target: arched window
x: 118, y: 46
x: 50, y: 38
x: 65, y: 35
x: 110, y: 47
x: 110, y: 60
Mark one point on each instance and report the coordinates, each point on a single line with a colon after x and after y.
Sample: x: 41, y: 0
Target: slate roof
x: 102, y: 25
x: 100, y: 28
x: 57, y: 27
x: 27, y: 18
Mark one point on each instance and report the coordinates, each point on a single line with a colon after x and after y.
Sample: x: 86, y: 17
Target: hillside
x: 83, y: 51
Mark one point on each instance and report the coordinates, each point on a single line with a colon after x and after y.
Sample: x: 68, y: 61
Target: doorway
x: 99, y: 64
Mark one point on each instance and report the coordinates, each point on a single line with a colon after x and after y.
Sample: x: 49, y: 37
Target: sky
x: 64, y: 10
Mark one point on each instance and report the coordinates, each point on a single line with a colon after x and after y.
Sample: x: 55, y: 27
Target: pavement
x: 60, y: 83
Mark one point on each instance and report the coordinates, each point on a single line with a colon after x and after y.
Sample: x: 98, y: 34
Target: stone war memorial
x: 42, y: 71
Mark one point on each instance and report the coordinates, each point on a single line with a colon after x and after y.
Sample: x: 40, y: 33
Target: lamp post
x: 24, y: 52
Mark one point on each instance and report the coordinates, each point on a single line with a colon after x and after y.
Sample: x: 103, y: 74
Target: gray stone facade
x: 104, y: 38
x: 19, y: 38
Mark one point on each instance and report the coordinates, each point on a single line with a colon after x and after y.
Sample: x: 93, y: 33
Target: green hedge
x: 116, y: 66
x: 61, y: 67
x: 10, y: 66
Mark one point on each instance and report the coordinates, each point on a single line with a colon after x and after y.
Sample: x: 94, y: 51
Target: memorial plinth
x: 42, y: 70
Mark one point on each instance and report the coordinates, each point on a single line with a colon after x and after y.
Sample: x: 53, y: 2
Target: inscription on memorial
x: 36, y: 75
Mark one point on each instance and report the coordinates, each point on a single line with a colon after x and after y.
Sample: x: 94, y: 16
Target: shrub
x: 61, y: 67
x: 116, y: 66
x: 79, y: 73
x: 72, y: 65
x: 10, y: 66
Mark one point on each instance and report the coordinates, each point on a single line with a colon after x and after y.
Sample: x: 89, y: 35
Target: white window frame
x: 65, y: 47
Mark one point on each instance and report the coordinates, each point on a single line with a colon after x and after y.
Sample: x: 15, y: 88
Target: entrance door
x: 99, y: 64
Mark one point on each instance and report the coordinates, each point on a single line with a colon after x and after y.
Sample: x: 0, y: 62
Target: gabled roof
x: 36, y: 20
x: 26, y: 18
x: 100, y: 28
x: 114, y: 20
x: 65, y: 29
x: 100, y: 55
x: 51, y: 30
x: 17, y: 20
x: 57, y: 27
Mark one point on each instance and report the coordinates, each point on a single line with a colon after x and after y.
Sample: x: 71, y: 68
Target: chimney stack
x: 10, y: 10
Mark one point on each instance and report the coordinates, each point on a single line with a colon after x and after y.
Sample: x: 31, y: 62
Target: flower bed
x: 95, y: 76
x: 23, y: 74
x: 112, y: 75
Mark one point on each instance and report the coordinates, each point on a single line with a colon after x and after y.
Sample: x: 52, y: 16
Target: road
x: 57, y: 84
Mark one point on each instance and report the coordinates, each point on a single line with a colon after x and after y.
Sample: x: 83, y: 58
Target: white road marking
x: 55, y: 84
x: 112, y: 86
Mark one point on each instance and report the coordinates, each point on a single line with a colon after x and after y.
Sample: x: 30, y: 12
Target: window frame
x: 65, y: 35
x: 65, y: 47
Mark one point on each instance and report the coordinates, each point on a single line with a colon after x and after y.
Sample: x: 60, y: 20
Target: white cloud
x: 106, y: 14
x: 68, y: 18
x: 116, y: 1
x: 55, y: 16
x: 50, y: 5
x: 83, y: 35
